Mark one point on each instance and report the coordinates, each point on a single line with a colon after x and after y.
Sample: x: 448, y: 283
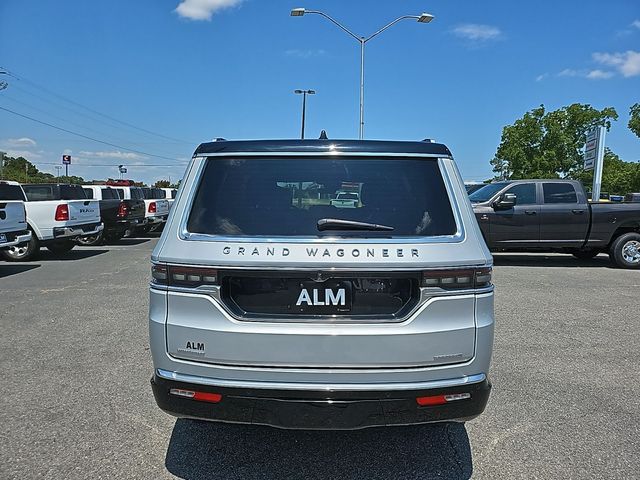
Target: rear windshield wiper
x: 337, y: 224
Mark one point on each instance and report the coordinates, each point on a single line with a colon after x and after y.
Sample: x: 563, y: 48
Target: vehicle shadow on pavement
x: 8, y: 269
x: 129, y: 241
x: 203, y: 450
x: 542, y: 260
x: 76, y: 254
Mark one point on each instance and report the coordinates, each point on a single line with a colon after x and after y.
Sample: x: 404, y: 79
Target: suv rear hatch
x: 280, y: 288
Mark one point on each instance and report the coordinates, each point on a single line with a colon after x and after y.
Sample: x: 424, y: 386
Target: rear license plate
x: 324, y: 298
x: 3, y: 238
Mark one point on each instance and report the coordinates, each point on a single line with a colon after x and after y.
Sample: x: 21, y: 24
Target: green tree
x: 634, y: 119
x: 22, y: 170
x: 162, y: 184
x: 618, y: 176
x: 545, y: 144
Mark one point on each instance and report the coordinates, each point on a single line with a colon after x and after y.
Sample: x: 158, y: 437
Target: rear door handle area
x: 530, y: 212
x: 575, y: 211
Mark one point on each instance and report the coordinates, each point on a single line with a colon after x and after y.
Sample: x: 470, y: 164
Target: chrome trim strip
x: 339, y: 387
x: 184, y: 234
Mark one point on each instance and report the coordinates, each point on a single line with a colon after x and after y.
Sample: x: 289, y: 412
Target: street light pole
x: 304, y: 106
x: 423, y: 18
x: 58, y: 168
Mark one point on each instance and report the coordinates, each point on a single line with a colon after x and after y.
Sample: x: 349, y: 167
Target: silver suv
x: 272, y: 305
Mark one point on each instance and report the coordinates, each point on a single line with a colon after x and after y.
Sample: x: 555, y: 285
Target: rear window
x: 109, y: 194
x: 11, y: 192
x: 287, y: 197
x: 39, y: 192
x: 72, y: 192
x: 559, y: 193
x: 88, y: 192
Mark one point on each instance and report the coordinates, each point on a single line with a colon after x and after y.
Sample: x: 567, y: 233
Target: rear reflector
x: 441, y: 399
x: 194, y: 395
x: 457, y: 278
x: 183, y: 276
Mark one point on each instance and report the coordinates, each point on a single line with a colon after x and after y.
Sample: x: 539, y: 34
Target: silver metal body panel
x: 447, y: 336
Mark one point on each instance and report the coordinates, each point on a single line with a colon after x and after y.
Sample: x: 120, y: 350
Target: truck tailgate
x: 83, y: 211
x: 12, y: 216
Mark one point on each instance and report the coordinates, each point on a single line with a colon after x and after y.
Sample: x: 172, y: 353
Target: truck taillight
x: 152, y: 207
x: 452, y: 279
x: 122, y: 210
x: 177, y: 276
x: 62, y: 212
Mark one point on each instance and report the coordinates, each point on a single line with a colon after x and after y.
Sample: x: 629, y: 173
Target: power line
x: 87, y: 137
x: 73, y: 102
x: 128, y: 165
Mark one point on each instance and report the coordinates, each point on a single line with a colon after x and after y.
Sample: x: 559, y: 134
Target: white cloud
x: 598, y: 74
x: 636, y: 24
x: 20, y: 142
x: 541, y: 77
x: 627, y: 63
x: 203, y: 9
x: 295, y: 52
x: 28, y: 154
x: 114, y: 154
x: 477, y: 32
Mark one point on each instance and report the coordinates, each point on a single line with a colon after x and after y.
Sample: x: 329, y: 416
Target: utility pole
x: 2, y: 154
x: 58, y: 168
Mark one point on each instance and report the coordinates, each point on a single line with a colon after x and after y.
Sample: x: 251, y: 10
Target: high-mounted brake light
x: 62, y: 212
x: 441, y: 399
x: 122, y: 210
x: 152, y: 207
x: 183, y: 276
x: 452, y: 279
x: 195, y: 395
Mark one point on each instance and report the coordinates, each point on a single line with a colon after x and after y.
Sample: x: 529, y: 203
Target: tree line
x: 549, y: 144
x: 19, y: 169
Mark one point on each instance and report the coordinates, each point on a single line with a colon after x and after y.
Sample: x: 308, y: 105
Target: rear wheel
x: 585, y: 254
x: 114, y: 237
x: 625, y: 250
x: 91, y: 240
x: 23, y: 252
x: 61, y: 247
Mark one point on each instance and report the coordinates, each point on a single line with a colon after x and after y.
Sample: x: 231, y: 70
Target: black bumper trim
x: 320, y: 410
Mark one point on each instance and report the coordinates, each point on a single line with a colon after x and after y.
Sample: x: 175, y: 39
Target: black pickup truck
x: 555, y: 215
x: 118, y: 215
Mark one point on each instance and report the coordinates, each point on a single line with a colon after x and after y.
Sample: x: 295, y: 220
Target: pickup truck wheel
x: 61, y: 247
x: 114, y: 236
x: 625, y: 250
x: 91, y: 240
x: 23, y: 252
x: 585, y: 254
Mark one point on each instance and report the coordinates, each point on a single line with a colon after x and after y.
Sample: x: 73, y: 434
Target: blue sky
x: 198, y: 69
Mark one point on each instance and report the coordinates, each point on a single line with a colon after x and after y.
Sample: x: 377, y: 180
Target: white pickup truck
x: 56, y: 215
x: 13, y: 217
x: 156, y: 209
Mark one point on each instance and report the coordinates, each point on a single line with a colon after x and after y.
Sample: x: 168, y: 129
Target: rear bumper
x: 157, y: 219
x: 16, y: 238
x: 322, y: 408
x: 77, y: 230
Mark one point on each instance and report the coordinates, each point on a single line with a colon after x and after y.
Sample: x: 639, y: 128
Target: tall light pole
x: 304, y: 105
x: 58, y: 168
x: 423, y: 18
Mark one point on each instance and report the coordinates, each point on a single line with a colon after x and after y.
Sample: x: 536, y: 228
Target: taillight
x: 152, y: 207
x: 62, y: 212
x: 183, y: 276
x: 452, y: 279
x: 122, y: 210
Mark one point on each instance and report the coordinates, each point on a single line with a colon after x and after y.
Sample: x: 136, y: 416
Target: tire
x: 23, y: 252
x: 113, y: 237
x: 625, y: 250
x: 585, y: 254
x: 91, y: 240
x: 60, y: 247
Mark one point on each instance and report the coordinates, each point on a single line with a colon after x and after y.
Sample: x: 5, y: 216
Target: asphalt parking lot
x: 76, y: 401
